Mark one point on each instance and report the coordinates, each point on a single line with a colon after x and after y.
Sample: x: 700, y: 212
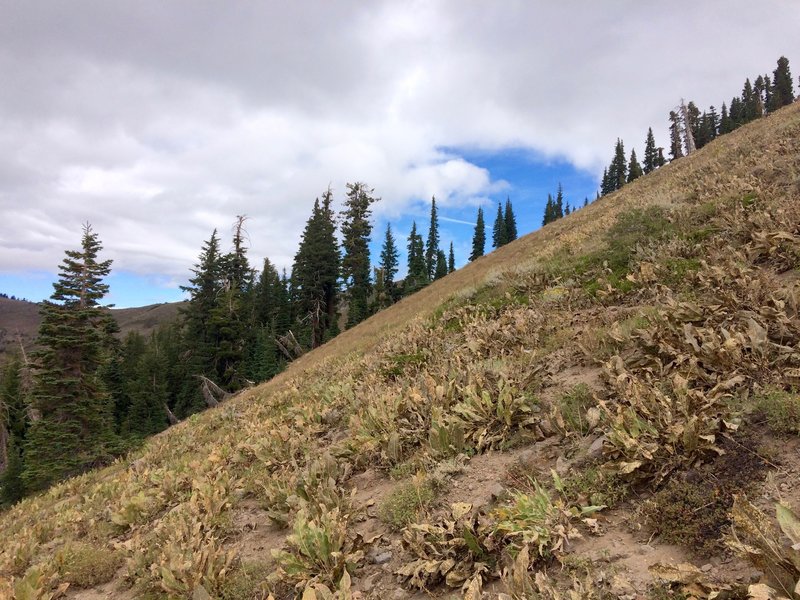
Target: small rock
x: 497, y: 490
x: 755, y: 576
x: 706, y: 568
x: 562, y: 466
x: 382, y: 558
x: 596, y: 449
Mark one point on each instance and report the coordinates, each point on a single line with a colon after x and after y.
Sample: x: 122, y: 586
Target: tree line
x: 690, y: 129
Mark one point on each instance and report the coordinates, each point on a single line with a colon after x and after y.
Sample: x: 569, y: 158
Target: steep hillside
x: 19, y: 321
x: 605, y: 408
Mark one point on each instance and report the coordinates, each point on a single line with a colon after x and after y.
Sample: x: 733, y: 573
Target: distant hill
x: 19, y: 320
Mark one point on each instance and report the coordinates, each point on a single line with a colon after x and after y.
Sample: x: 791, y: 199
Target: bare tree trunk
x: 211, y: 391
x: 289, y: 345
x: 173, y: 420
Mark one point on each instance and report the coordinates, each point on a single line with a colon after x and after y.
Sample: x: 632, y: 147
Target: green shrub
x: 85, y: 566
x: 404, y: 503
x: 246, y: 582
x: 573, y: 406
x: 781, y: 410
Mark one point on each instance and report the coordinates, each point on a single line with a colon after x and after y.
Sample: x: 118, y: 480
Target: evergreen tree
x: 451, y: 260
x: 650, y: 154
x: 618, y: 171
x: 634, y: 168
x: 73, y: 430
x: 725, y: 125
x: 558, y: 205
x: 417, y: 276
x: 356, y: 230
x: 660, y: 160
x: 693, y: 124
x: 149, y: 394
x: 441, y: 265
x: 782, y: 92
x: 736, y: 112
x: 585, y: 202
x: 13, y: 428
x: 510, y: 222
x: 567, y: 209
x: 605, y: 185
x: 315, y: 277
x: 749, y: 102
x: 432, y: 245
x: 390, y: 260
x: 499, y: 232
x: 479, y: 237
x: 676, y: 143
x: 549, y: 208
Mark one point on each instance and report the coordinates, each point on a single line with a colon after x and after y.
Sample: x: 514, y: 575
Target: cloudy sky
x: 160, y: 120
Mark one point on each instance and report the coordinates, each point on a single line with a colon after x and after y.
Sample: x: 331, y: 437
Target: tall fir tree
x: 441, y: 265
x: 675, y: 140
x: 618, y: 170
x: 417, y: 276
x: 479, y: 237
x: 432, y: 245
x: 548, y: 210
x: 650, y: 153
x: 499, y: 232
x: 73, y: 428
x: 451, y: 260
x: 390, y: 261
x: 13, y: 430
x: 634, y: 168
x: 558, y: 205
x: 510, y: 221
x: 782, y: 91
x: 356, y: 231
x: 315, y: 276
x: 724, y: 121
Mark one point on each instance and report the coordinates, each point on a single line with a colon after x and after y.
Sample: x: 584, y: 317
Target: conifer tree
x: 479, y: 237
x: 432, y: 245
x: 417, y: 276
x: 558, y: 205
x: 660, y: 160
x: 676, y: 143
x: 510, y: 222
x: 13, y: 428
x: 724, y: 121
x: 650, y: 154
x: 782, y: 92
x: 356, y: 230
x: 390, y: 260
x: 749, y: 102
x: 441, y: 265
x: 549, y: 208
x: 585, y: 202
x: 499, y: 233
x: 618, y: 171
x: 315, y: 276
x: 73, y: 430
x: 605, y: 185
x: 634, y: 168
x: 451, y: 260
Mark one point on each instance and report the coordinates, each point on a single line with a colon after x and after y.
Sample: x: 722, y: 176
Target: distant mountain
x: 19, y: 321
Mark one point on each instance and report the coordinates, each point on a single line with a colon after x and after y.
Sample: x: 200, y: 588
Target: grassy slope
x: 624, y: 362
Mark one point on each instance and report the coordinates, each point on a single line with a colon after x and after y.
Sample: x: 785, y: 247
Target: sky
x: 158, y: 121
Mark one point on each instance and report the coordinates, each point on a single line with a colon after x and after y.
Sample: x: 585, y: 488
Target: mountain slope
x: 19, y: 321
x: 585, y: 411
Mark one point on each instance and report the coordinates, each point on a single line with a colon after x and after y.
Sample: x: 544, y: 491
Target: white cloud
x: 159, y: 121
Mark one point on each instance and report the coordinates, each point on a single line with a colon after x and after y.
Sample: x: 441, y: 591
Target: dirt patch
x: 256, y: 534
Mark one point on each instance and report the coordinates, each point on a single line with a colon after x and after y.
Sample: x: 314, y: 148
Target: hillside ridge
x: 603, y: 408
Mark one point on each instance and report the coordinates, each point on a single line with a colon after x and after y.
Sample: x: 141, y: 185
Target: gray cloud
x: 159, y: 121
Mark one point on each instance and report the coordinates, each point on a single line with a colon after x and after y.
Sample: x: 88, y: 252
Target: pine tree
x: 432, y: 245
x: 567, y: 209
x: 650, y: 155
x: 356, y: 230
x: 676, y: 143
x: 634, y: 168
x: 510, y: 222
x: 499, y: 233
x: 782, y: 92
x: 13, y: 429
x: 749, y: 102
x: 451, y: 260
x: 618, y: 171
x: 548, y: 210
x: 605, y: 185
x: 390, y: 260
x: 149, y: 394
x: 417, y: 276
x: 660, y: 160
x: 441, y: 265
x: 585, y: 202
x: 558, y: 205
x: 479, y: 237
x: 74, y: 429
x: 315, y: 276
x: 725, y: 125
